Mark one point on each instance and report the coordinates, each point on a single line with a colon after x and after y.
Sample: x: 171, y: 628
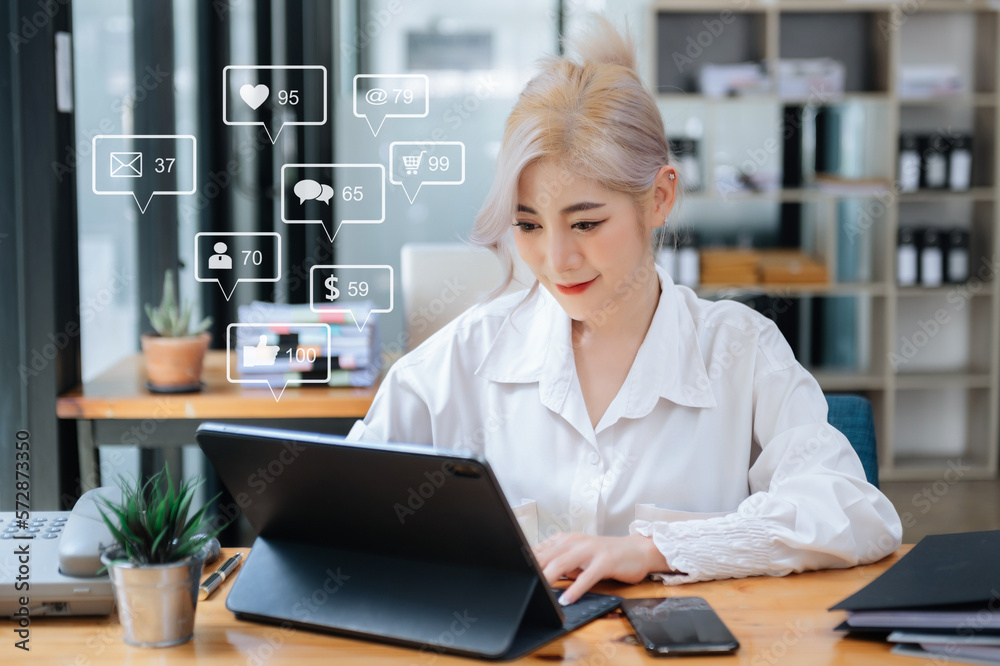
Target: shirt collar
x: 534, y: 345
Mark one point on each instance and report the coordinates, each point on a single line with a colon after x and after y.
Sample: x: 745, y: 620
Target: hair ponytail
x: 592, y: 115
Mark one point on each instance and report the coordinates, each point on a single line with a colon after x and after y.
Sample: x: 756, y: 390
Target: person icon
x: 220, y: 260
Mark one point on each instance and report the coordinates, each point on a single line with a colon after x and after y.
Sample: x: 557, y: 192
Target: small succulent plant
x: 169, y: 320
x: 150, y: 524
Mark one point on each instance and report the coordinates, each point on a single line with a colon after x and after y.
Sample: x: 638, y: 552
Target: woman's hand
x: 589, y: 559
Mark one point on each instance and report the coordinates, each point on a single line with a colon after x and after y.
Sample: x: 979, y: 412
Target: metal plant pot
x: 156, y: 603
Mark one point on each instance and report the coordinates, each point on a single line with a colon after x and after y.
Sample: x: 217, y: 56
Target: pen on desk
x: 219, y: 575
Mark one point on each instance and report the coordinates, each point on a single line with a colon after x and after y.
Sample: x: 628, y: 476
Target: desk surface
x: 777, y: 621
x: 120, y: 393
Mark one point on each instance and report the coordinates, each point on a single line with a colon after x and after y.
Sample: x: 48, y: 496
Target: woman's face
x: 582, y: 241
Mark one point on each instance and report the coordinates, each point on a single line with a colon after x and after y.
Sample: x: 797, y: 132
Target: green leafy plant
x: 169, y: 320
x: 151, y: 523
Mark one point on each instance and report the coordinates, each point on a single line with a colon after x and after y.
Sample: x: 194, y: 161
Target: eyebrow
x: 583, y: 205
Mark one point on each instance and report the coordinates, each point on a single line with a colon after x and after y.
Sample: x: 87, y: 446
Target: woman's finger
x: 586, y: 580
x: 572, y: 558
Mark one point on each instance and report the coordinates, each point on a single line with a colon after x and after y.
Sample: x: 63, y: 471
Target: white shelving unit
x: 939, y: 406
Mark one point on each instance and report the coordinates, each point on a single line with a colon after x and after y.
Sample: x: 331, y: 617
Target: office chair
x: 852, y: 415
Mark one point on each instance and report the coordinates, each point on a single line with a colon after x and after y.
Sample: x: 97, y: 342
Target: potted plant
x: 156, y: 561
x: 175, y: 355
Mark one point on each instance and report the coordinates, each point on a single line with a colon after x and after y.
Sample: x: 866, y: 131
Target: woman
x: 643, y: 430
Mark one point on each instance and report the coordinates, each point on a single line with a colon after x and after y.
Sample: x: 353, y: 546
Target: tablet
x: 389, y: 541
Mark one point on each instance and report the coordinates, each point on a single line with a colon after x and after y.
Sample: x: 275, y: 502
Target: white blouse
x: 717, y: 444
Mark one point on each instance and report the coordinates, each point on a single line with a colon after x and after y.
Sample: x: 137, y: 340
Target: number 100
x: 302, y: 355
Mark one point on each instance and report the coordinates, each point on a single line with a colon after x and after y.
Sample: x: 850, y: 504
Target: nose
x: 564, y: 253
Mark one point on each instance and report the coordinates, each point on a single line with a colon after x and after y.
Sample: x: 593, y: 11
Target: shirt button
x: 594, y: 458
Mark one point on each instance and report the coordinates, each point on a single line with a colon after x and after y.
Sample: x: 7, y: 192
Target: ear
x: 664, y: 195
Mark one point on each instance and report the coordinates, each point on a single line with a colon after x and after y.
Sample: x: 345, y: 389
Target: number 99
x: 438, y: 163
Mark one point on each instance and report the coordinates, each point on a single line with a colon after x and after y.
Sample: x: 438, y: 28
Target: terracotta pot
x: 175, y: 363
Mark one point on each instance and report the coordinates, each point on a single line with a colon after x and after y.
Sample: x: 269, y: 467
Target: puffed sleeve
x: 398, y: 412
x: 810, y: 506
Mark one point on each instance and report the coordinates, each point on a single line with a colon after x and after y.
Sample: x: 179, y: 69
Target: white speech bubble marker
x: 289, y: 101
x: 226, y: 272
x: 306, y: 190
x: 326, y: 193
x: 141, y: 164
x: 391, y: 96
x: 362, y: 188
x: 255, y: 356
x: 414, y: 164
x: 347, y: 295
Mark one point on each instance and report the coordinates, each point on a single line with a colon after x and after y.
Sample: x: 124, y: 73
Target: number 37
x: 164, y: 165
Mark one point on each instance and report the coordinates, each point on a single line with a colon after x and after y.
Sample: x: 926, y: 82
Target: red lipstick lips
x: 574, y: 289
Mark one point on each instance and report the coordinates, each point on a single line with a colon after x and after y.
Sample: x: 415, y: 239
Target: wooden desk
x: 116, y: 408
x: 777, y: 621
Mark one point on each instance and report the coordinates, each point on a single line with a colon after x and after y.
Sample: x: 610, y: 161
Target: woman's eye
x: 526, y: 226
x: 587, y: 226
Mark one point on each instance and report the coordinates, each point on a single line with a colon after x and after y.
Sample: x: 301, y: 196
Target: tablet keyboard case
x: 355, y: 568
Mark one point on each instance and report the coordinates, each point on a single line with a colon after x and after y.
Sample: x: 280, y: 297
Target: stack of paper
x: 940, y: 601
x: 804, y: 78
x: 348, y: 356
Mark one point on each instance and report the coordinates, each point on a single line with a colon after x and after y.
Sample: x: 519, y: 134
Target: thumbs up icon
x: 262, y: 354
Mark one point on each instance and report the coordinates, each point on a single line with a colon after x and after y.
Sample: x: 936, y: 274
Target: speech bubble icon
x: 381, y: 96
x: 352, y: 194
x: 229, y: 258
x: 273, y: 96
x: 144, y: 165
x: 251, y: 357
x: 350, y: 293
x: 414, y: 164
x: 307, y: 189
x: 326, y: 193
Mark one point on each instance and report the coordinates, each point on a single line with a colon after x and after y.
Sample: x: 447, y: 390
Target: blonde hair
x: 593, y: 116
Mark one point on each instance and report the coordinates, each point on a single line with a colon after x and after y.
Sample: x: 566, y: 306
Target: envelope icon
x: 126, y: 165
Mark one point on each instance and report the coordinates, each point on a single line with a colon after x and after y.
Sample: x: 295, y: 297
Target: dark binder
x: 944, y: 570
x: 395, y: 543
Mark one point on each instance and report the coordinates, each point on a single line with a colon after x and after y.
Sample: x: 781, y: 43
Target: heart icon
x: 254, y: 96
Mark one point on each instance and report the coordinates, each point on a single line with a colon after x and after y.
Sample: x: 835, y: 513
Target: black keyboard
x: 588, y: 607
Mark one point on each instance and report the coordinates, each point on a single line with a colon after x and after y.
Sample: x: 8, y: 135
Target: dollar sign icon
x: 330, y: 284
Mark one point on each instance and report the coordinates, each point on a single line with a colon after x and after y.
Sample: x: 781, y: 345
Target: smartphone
x: 679, y: 626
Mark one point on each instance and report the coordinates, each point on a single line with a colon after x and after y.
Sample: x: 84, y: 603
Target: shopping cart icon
x: 412, y: 162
